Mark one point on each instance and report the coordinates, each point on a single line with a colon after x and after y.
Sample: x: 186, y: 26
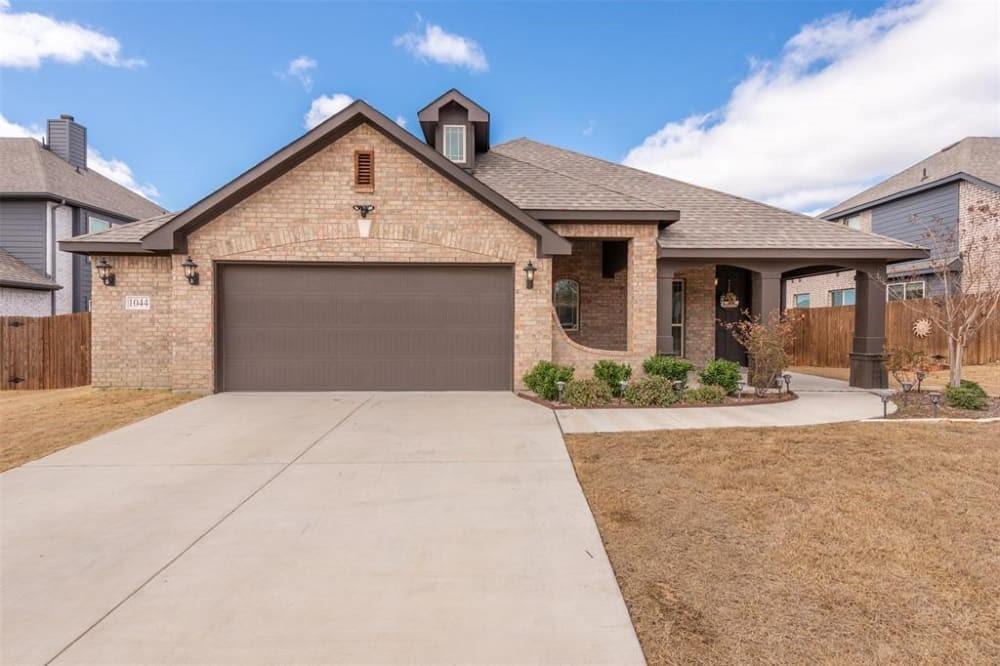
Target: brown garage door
x: 302, y: 328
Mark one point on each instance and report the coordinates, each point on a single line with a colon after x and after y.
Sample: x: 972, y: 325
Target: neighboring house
x: 934, y: 194
x: 48, y: 194
x: 362, y: 257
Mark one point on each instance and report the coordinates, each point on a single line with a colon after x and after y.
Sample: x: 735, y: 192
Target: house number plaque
x: 137, y: 302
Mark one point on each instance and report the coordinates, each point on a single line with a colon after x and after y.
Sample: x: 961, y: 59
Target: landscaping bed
x: 919, y: 406
x: 618, y: 403
x: 844, y: 543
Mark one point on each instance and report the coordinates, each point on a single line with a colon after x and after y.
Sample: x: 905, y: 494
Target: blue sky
x: 191, y: 94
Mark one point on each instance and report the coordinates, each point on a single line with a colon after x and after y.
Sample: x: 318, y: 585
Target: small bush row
x: 611, y: 379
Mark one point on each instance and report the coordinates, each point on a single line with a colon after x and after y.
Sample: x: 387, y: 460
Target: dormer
x: 456, y: 127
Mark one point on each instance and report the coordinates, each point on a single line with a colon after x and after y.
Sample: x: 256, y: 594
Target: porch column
x: 867, y: 368
x: 664, y: 310
x: 766, y: 297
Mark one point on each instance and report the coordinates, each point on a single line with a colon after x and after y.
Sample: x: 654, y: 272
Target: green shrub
x: 969, y: 395
x: 722, y: 373
x: 543, y: 377
x: 651, y: 392
x: 704, y: 395
x: 587, y: 393
x: 670, y: 367
x: 612, y: 374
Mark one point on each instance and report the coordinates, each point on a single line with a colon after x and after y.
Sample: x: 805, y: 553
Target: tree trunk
x: 955, y: 351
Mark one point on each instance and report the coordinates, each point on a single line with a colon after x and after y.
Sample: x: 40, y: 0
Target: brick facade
x: 421, y: 217
x: 975, y: 225
x: 603, y: 322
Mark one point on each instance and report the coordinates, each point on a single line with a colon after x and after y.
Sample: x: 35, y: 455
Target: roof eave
x: 51, y: 196
x: 105, y: 247
x: 34, y: 286
x: 834, y: 212
x: 662, y: 217
x: 886, y: 254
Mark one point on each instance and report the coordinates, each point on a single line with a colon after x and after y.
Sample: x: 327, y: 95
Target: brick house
x: 934, y: 194
x: 362, y: 257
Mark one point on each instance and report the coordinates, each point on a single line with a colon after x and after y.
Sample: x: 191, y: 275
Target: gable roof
x: 974, y: 158
x: 28, y: 169
x: 709, y: 219
x: 15, y: 273
x: 169, y: 235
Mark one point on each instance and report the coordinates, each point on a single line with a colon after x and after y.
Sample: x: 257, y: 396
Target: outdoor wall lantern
x: 529, y: 274
x: 190, y: 270
x: 104, y: 272
x: 935, y: 400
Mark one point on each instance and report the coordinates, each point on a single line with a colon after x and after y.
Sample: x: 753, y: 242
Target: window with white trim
x: 852, y: 222
x: 454, y: 142
x: 566, y: 299
x: 899, y: 291
x: 839, y: 297
x: 801, y: 300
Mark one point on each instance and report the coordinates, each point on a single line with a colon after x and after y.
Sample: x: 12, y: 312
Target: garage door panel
x: 289, y: 327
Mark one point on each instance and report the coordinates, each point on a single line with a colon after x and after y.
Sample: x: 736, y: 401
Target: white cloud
x: 589, y: 129
x: 849, y: 102
x: 301, y: 69
x: 113, y: 168
x: 401, y: 120
x: 27, y: 39
x: 325, y: 106
x: 437, y: 45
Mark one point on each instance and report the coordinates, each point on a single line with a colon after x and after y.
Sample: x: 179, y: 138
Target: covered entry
x: 284, y: 327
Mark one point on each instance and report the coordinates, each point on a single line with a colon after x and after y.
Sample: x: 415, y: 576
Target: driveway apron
x: 311, y: 528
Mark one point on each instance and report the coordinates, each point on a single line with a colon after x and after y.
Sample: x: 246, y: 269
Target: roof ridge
x: 668, y: 178
x: 581, y: 180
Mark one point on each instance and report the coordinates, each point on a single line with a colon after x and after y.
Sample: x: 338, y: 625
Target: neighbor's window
x: 906, y: 290
x: 852, y: 222
x: 96, y: 224
x: 801, y: 300
x: 566, y: 298
x: 454, y: 142
x: 840, y: 297
x: 677, y: 324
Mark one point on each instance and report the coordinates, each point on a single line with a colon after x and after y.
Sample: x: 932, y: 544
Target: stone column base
x: 868, y: 371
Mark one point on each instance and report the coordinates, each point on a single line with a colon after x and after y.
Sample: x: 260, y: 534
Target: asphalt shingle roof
x: 709, y: 218
x: 26, y: 167
x: 15, y: 273
x: 975, y: 155
x: 133, y: 232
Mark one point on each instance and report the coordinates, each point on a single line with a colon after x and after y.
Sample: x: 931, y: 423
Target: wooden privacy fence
x: 44, y: 352
x: 824, y: 335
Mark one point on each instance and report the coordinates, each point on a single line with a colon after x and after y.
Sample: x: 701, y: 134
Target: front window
x: 840, y: 297
x: 852, y: 222
x: 566, y: 298
x: 801, y: 300
x: 906, y: 290
x: 677, y: 324
x: 454, y: 142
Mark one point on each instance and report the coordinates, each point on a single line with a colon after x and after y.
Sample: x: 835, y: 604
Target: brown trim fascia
x: 15, y: 284
x: 888, y: 254
x: 430, y: 112
x: 167, y: 237
x: 664, y: 217
x: 49, y: 196
x: 947, y: 180
x: 91, y: 247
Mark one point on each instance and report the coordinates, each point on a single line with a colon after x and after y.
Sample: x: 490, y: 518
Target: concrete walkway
x: 821, y: 400
x: 311, y: 528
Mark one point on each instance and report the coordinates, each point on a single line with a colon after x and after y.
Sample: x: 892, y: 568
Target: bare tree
x: 965, y: 261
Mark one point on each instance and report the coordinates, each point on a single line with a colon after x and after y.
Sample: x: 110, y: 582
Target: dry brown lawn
x: 987, y: 376
x: 847, y: 543
x: 37, y: 423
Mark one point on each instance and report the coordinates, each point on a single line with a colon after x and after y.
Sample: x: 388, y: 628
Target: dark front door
x: 737, y: 281
x: 377, y: 327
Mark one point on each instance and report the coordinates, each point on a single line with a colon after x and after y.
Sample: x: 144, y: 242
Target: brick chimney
x: 68, y: 140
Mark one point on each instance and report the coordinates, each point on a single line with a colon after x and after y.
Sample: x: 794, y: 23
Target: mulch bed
x: 919, y: 406
x: 746, y: 401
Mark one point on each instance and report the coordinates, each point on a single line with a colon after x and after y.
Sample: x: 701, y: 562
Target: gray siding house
x: 934, y: 193
x: 48, y: 194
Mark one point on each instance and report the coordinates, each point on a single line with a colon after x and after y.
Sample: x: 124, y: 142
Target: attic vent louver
x: 364, y: 171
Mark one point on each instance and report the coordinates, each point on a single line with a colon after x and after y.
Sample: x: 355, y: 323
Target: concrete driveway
x: 311, y: 528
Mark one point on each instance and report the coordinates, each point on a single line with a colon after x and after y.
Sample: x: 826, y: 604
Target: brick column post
x: 867, y: 367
